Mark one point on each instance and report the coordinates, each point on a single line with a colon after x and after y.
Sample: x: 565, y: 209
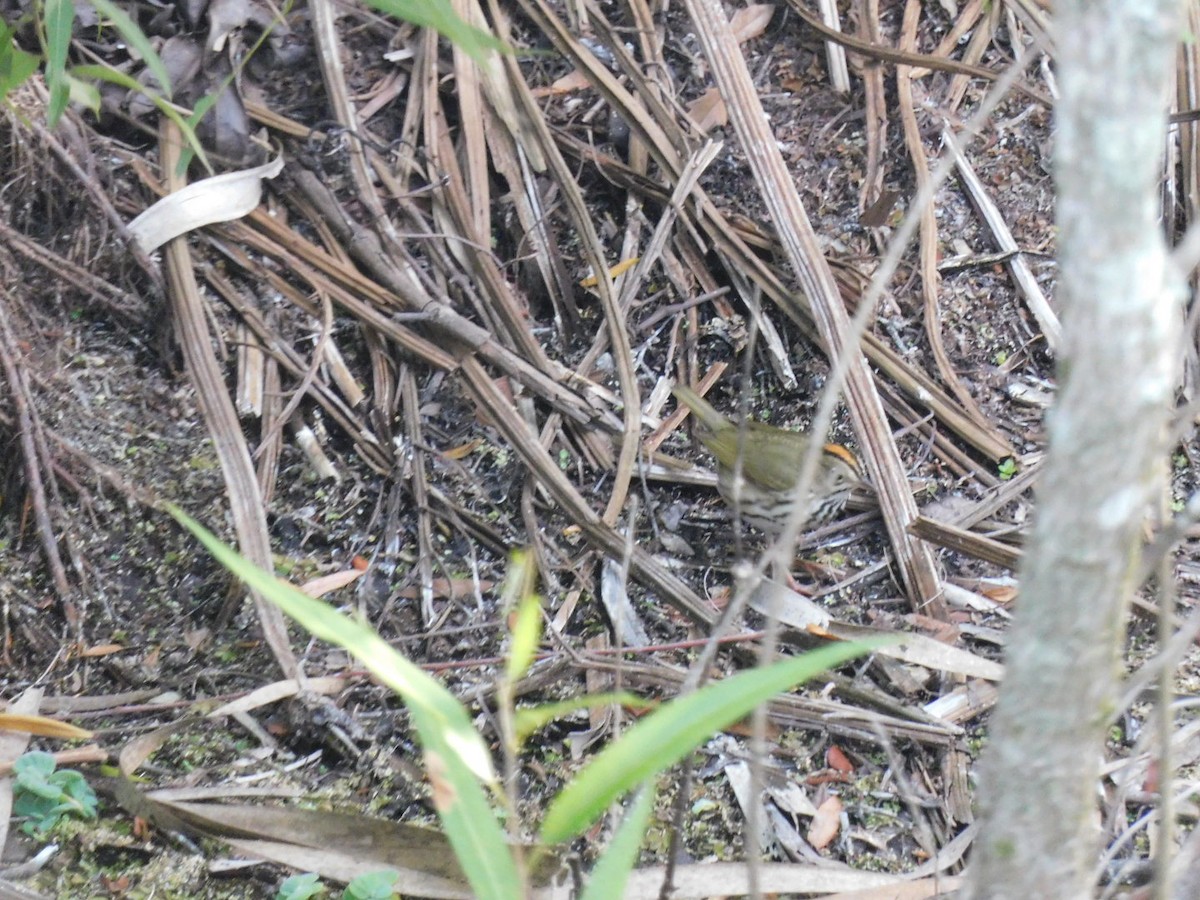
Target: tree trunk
x: 1106, y: 458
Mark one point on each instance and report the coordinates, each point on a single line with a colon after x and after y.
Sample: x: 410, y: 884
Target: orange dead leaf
x: 444, y: 794
x: 619, y: 269
x: 463, y: 450
x: 825, y: 823
x: 319, y: 587
x: 708, y: 110
x: 101, y: 650
x: 751, y: 21
x: 41, y: 725
x: 572, y: 81
x: 838, y: 761
x: 1001, y: 593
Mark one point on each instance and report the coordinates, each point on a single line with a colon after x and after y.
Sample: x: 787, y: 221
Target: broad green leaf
x: 440, y: 16
x: 607, y: 879
x: 673, y: 731
x: 136, y: 38
x: 456, y: 759
x: 15, y: 64
x: 58, y: 19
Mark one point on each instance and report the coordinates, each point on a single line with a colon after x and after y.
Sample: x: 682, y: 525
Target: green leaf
x: 372, y: 886
x: 300, y: 887
x: 456, y: 759
x: 15, y: 64
x: 608, y: 877
x: 666, y: 736
x: 136, y: 38
x: 526, y: 636
x: 440, y: 16
x: 84, y: 93
x: 109, y: 74
x: 58, y: 19
x: 529, y: 719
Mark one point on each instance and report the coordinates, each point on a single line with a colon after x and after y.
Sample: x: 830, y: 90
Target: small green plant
x: 372, y: 886
x: 1007, y: 469
x: 43, y: 795
x: 300, y: 887
x: 459, y: 764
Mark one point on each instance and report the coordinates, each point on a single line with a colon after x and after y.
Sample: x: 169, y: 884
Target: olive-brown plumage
x: 771, y: 461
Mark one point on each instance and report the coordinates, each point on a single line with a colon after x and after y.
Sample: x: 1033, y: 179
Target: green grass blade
x: 667, y: 735
x: 440, y: 16
x: 136, y: 38
x: 115, y: 76
x: 58, y: 19
x: 607, y: 879
x: 529, y: 719
x: 456, y: 758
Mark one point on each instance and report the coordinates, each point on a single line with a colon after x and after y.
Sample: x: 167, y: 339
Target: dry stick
x: 875, y: 109
x: 270, y: 450
x: 695, y: 167
x: 644, y: 567
x: 329, y: 55
x: 967, y: 542
x: 923, y: 60
x: 453, y: 209
x: 779, y: 193
x: 420, y: 490
x: 928, y: 244
x: 468, y: 96
x: 921, y: 387
x: 375, y: 454
x: 310, y: 374
x: 329, y: 45
x: 100, y: 197
x: 397, y: 288
x: 1165, y: 721
x: 129, y: 307
x: 839, y: 75
x: 1187, y: 94
x: 652, y: 126
x: 18, y: 385
x: 1025, y: 280
x: 797, y: 711
x: 539, y: 238
x: 964, y: 24
x: 950, y: 452
x: 981, y: 39
x: 593, y: 251
x: 245, y: 500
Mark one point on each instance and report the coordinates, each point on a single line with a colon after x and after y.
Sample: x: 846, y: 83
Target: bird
x: 771, y: 461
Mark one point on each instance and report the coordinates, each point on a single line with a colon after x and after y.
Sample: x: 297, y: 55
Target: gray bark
x: 1106, y: 458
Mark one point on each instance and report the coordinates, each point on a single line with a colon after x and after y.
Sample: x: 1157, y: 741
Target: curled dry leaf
x: 217, y: 199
